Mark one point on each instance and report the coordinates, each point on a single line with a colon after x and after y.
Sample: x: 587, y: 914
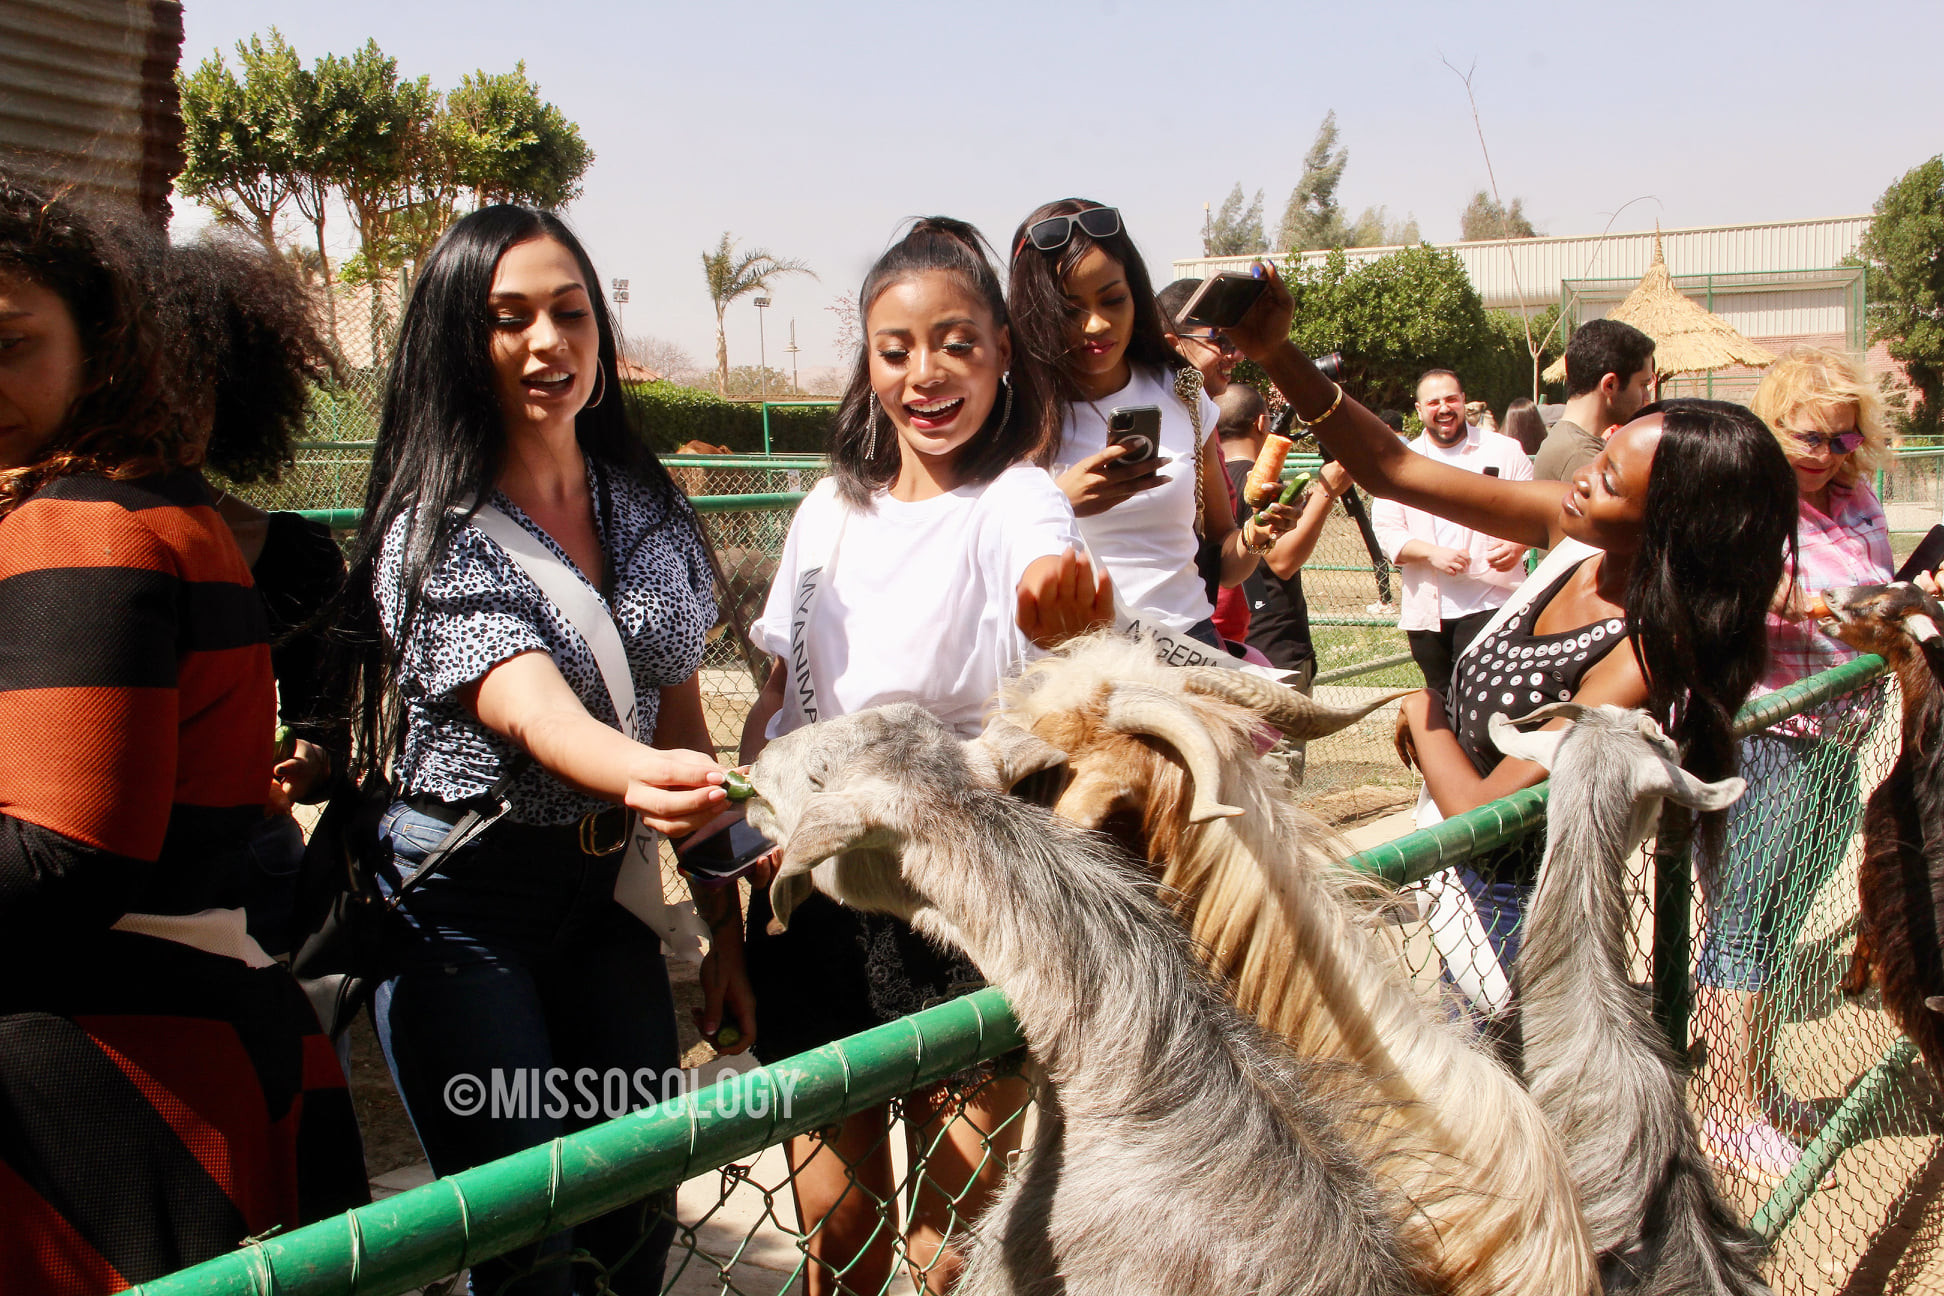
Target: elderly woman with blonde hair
x: 1789, y: 829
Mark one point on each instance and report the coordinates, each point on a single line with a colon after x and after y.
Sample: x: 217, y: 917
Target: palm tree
x: 732, y: 274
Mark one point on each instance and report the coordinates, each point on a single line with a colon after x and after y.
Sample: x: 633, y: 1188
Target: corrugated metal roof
x: 88, y: 97
x: 1532, y: 271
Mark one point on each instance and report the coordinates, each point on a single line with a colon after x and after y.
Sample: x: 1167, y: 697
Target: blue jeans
x: 523, y: 975
x: 1784, y: 838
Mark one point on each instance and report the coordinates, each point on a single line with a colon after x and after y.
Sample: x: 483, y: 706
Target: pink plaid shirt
x: 1849, y: 547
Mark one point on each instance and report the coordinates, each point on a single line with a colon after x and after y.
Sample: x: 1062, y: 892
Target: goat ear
x: 830, y: 824
x: 1015, y: 753
x: 1655, y: 775
x: 1541, y: 747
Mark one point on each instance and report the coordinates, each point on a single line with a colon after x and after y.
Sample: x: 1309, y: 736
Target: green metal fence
x: 1859, y: 1210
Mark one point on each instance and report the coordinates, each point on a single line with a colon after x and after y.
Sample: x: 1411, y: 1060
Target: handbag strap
x: 1188, y: 390
x: 576, y: 601
x: 475, y: 821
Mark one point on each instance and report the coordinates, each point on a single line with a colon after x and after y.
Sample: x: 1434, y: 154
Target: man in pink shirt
x: 1454, y: 578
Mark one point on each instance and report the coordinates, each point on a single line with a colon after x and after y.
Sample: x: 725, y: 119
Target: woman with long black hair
x: 517, y: 958
x: 1084, y: 306
x: 1672, y: 543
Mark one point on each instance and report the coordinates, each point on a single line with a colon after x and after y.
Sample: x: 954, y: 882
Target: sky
x: 814, y: 130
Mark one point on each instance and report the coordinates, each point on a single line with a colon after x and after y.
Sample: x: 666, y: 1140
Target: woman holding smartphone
x: 1083, y: 303
x: 1669, y: 545
x: 932, y: 561
x: 516, y: 955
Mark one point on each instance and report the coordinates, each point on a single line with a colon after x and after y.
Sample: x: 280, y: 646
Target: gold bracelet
x: 1312, y: 422
x: 1251, y: 546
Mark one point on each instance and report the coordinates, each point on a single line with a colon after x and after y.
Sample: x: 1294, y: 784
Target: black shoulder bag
x: 342, y: 916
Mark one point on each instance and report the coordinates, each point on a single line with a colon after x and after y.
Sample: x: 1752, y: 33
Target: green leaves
x: 1905, y: 254
x: 731, y: 274
x: 1398, y: 315
x: 397, y: 152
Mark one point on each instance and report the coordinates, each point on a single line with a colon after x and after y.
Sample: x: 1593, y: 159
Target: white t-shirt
x: 917, y: 603
x: 1147, y: 541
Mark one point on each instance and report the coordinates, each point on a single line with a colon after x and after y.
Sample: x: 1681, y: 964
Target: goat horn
x: 1297, y: 715
x: 1143, y: 708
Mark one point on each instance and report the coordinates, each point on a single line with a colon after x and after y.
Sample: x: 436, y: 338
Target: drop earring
x: 870, y: 441
x: 1005, y: 419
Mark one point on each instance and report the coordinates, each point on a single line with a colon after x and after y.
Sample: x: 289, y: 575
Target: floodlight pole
x: 762, y: 354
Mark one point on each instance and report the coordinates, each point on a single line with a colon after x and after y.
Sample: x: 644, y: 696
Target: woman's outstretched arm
x: 1525, y: 512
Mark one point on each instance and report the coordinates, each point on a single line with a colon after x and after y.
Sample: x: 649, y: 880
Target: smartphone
x: 1927, y: 556
x: 1138, y: 427
x: 727, y: 847
x: 1222, y: 301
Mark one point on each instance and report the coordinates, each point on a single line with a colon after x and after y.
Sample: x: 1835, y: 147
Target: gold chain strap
x: 1188, y: 389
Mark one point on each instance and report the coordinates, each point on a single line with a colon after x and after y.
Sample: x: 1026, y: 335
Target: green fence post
x: 766, y: 432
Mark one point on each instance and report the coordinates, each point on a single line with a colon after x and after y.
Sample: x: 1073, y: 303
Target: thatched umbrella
x: 1687, y: 339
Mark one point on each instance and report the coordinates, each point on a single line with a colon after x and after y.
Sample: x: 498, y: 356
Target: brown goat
x: 1164, y: 761
x: 1901, y: 883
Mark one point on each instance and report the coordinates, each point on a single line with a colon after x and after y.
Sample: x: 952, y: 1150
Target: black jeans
x: 529, y: 1005
x: 1436, y: 650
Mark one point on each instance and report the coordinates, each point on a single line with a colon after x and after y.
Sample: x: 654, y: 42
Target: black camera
x: 1330, y: 366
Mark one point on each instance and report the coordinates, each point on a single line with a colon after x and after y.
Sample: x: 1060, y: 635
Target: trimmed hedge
x: 674, y: 415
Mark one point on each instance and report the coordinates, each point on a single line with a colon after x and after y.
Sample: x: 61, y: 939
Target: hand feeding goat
x: 1900, y: 920
x: 1180, y: 1151
x: 1595, y: 1060
x: 1156, y: 755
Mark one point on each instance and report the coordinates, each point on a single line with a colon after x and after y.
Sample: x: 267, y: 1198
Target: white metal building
x: 1779, y: 284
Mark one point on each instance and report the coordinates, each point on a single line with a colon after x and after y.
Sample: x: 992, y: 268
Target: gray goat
x: 1180, y: 1150
x: 1596, y: 1063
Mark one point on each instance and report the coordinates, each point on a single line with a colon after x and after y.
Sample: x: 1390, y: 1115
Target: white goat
x: 1594, y: 1059
x: 1180, y: 1152
x: 1165, y: 760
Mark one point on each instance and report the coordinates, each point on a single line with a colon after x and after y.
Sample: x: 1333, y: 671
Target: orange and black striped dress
x: 164, y: 1091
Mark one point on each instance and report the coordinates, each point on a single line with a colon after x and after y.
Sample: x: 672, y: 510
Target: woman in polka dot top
x: 1672, y: 541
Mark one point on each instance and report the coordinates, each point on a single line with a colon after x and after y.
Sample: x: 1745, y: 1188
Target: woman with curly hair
x: 168, y: 1094
x: 240, y: 314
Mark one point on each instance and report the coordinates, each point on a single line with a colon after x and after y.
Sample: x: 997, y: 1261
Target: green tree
x: 1400, y: 314
x: 759, y: 382
x: 1904, y: 250
x: 1375, y: 229
x: 732, y: 274
x: 1485, y: 218
x: 1311, y: 218
x: 512, y: 145
x: 242, y: 138
x: 1236, y: 229
x: 374, y: 124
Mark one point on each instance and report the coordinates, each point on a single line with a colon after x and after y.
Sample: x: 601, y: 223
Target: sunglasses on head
x: 1219, y: 341
x: 1055, y: 232
x: 1841, y: 443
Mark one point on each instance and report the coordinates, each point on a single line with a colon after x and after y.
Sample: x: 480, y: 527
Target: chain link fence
x: 1851, y: 1197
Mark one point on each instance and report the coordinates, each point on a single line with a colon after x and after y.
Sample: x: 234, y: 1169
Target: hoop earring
x: 1005, y: 419
x: 600, y: 386
x: 870, y: 441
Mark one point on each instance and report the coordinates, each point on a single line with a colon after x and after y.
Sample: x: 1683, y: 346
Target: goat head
x: 1655, y: 773
x: 839, y: 796
x: 1885, y: 619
